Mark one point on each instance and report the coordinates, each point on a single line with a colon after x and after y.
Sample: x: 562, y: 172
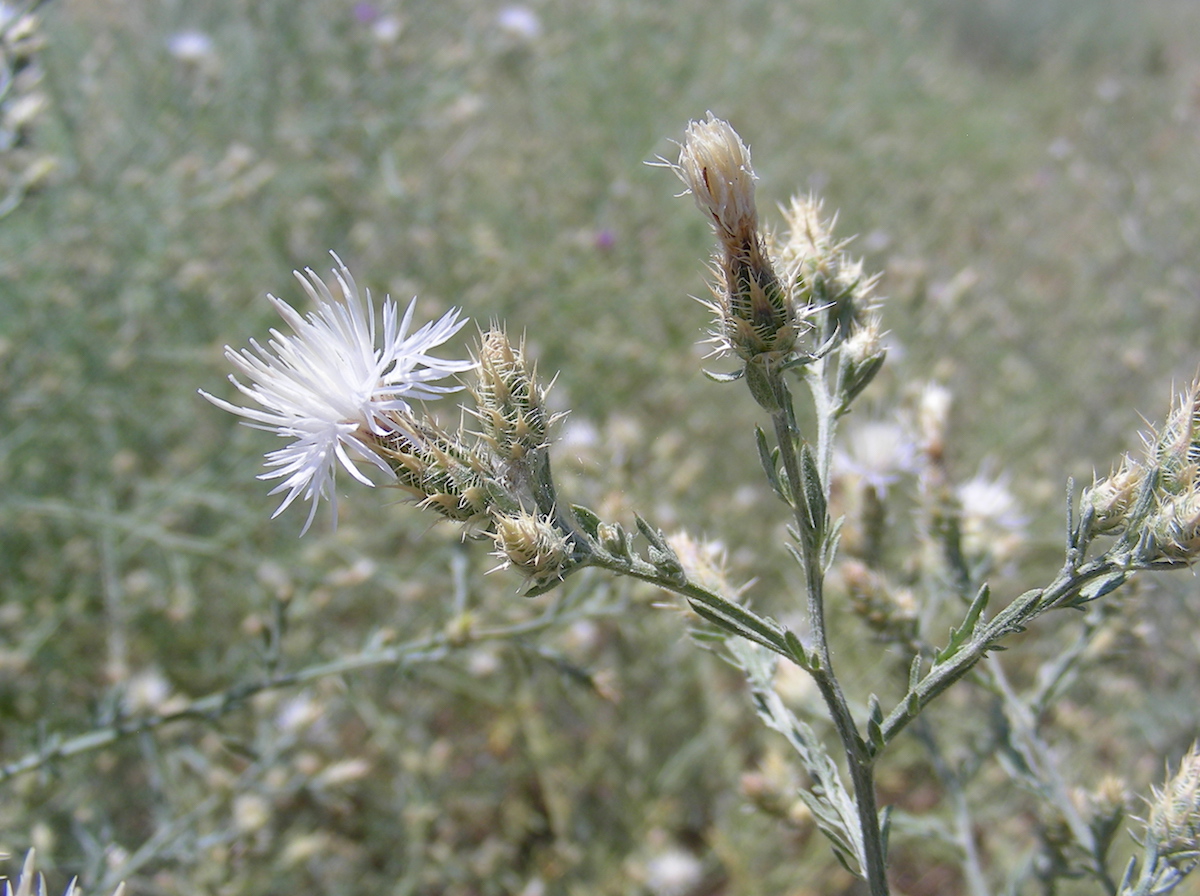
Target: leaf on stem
x: 833, y: 808
x: 875, y: 739
x: 717, y: 377
x: 731, y: 624
x: 959, y: 636
x: 588, y: 520
x: 814, y: 493
x: 830, y: 548
x: 801, y: 656
x: 1100, y: 587
x: 769, y: 457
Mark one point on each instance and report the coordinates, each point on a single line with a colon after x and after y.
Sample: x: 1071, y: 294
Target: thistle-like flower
x: 824, y: 279
x: 754, y: 319
x: 714, y: 165
x: 334, y: 389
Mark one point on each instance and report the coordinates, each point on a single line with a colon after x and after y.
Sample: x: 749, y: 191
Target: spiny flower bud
x: 443, y: 473
x: 823, y: 278
x: 754, y: 314
x: 1113, y: 497
x: 510, y: 401
x: 810, y: 235
x: 532, y: 544
x: 1175, y: 526
x: 1106, y: 806
x: 1176, y: 450
x: 1174, y: 823
x: 705, y: 563
x: 862, y: 356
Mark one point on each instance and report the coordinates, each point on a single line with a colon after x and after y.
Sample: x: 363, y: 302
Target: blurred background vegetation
x: 1025, y: 173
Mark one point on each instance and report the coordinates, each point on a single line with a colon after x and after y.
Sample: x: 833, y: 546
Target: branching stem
x: 420, y: 650
x: 859, y: 758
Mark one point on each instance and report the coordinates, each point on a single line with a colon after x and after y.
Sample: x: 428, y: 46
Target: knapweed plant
x: 796, y: 320
x: 794, y: 315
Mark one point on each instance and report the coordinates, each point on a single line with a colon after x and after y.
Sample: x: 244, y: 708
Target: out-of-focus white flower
x: 673, y: 873
x: 987, y: 501
x: 146, y: 691
x: 297, y: 713
x: 992, y: 521
x: 251, y: 813
x: 520, y: 22
x: 333, y: 389
x: 878, y: 452
x: 191, y: 46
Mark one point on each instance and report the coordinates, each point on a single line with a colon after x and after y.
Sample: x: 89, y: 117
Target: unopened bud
x: 532, y: 544
x: 1175, y: 526
x: 861, y: 358
x: 613, y: 539
x: 825, y: 280
x: 889, y: 611
x: 933, y: 421
x: 1176, y: 450
x: 510, y: 401
x: 443, y: 474
x: 1111, y: 498
x: 1107, y: 806
x: 1174, y: 823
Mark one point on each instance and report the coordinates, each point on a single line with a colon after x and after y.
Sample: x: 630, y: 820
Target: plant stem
x: 751, y: 626
x: 210, y: 707
x: 1010, y: 620
x: 858, y: 757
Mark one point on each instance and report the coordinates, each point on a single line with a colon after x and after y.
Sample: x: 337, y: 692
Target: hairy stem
x: 859, y: 758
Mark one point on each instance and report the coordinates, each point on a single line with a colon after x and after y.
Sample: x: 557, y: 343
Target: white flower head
x: 878, y: 452
x: 992, y: 522
x: 333, y: 388
x: 519, y: 22
x: 191, y: 47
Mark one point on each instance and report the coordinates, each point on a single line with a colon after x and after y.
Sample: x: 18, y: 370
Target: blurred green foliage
x: 1023, y: 172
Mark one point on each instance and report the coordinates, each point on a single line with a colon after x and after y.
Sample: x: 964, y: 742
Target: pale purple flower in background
x: 333, y: 389
x: 365, y: 13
